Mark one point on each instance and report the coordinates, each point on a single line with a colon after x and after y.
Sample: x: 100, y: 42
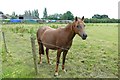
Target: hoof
x: 49, y: 63
x: 64, y: 70
x: 56, y: 74
x: 39, y: 62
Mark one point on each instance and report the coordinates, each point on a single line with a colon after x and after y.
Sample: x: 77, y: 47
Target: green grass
x: 95, y: 57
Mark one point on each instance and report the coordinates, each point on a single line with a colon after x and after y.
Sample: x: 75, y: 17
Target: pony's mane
x: 69, y: 26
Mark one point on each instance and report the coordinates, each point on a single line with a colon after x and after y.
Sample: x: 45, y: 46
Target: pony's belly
x: 49, y: 39
x: 49, y: 42
x: 50, y: 46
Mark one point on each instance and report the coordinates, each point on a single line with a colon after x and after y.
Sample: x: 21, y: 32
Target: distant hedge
x: 92, y: 20
x: 102, y: 20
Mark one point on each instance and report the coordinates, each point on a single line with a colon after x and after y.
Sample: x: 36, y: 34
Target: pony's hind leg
x: 47, y: 54
x: 40, y: 62
x: 41, y: 51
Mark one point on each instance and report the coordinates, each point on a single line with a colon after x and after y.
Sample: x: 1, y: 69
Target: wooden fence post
x: 34, y: 53
x: 4, y: 42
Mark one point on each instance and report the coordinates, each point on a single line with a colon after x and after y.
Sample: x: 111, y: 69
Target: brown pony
x: 59, y: 39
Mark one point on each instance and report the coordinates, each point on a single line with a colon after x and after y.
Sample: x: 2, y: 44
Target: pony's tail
x: 41, y: 48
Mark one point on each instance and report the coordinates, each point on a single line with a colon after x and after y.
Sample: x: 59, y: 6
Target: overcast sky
x: 79, y: 8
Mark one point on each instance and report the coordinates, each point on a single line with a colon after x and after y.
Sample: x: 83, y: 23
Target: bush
x: 94, y: 20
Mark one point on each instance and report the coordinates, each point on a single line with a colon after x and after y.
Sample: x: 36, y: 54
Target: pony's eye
x: 78, y: 26
x: 84, y: 25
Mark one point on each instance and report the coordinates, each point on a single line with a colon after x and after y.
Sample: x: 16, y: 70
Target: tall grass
x: 96, y: 57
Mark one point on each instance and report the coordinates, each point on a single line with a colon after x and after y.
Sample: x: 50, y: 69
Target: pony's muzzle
x: 84, y: 36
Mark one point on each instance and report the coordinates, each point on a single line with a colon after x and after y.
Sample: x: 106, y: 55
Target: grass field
x: 96, y: 57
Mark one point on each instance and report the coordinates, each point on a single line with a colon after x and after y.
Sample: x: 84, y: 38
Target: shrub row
x: 92, y: 20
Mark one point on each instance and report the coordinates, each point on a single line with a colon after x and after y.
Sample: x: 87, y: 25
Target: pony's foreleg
x: 47, y: 54
x: 58, y: 60
x: 63, y: 61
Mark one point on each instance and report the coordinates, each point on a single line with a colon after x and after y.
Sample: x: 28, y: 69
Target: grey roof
x: 1, y: 12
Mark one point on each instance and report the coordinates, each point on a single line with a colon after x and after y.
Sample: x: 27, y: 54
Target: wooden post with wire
x: 5, y: 46
x: 34, y: 53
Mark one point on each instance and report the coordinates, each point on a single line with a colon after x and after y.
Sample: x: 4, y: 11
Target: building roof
x: 1, y: 12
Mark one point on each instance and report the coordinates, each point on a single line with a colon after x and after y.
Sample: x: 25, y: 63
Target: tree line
x: 34, y: 14
x: 68, y: 15
x: 96, y: 18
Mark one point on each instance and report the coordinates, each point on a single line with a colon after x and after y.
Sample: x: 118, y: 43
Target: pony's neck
x: 71, y: 33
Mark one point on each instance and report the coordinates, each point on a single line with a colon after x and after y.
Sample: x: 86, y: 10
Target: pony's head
x: 79, y: 27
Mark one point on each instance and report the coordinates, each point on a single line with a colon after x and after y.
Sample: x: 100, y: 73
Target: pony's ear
x: 82, y: 18
x: 76, y: 19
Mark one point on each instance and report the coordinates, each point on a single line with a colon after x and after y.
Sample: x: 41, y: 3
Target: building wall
x: 1, y: 16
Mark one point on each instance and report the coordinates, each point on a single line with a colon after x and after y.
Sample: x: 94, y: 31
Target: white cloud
x: 78, y: 7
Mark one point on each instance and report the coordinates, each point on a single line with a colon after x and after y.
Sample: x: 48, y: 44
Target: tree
x: 55, y: 16
x: 27, y: 14
x: 13, y: 16
x: 97, y: 16
x: 31, y: 14
x: 68, y: 16
x: 104, y: 16
x: 13, y: 13
x: 45, y: 13
x: 36, y: 14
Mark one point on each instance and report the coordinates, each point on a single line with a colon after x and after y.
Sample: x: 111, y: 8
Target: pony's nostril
x: 84, y: 35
